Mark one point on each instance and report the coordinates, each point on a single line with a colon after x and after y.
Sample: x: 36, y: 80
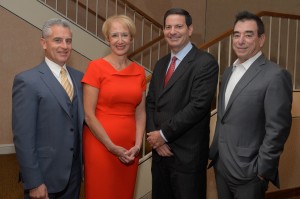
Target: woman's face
x: 119, y: 38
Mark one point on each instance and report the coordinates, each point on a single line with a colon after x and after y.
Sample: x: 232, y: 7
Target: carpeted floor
x: 10, y: 188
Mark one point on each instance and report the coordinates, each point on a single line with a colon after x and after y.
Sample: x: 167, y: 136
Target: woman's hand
x: 133, y: 152
x: 121, y: 153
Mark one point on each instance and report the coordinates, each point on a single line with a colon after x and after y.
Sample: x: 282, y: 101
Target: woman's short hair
x: 123, y: 19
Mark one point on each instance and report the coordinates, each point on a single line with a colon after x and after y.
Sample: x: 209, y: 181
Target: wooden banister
x: 278, y: 14
x: 133, y: 7
x: 89, y: 10
x: 139, y: 50
x: 137, y: 10
x: 260, y: 14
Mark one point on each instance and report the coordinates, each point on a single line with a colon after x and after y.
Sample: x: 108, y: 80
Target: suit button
x: 71, y: 149
x: 72, y: 130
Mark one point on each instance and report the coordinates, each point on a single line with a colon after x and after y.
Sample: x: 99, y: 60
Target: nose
x: 172, y: 31
x: 64, y: 44
x: 241, y: 39
x: 120, y: 38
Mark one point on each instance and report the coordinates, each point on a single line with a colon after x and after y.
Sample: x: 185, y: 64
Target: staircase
x: 148, y: 45
x: 87, y: 17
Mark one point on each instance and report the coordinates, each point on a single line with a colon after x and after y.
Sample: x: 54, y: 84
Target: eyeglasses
x: 116, y: 35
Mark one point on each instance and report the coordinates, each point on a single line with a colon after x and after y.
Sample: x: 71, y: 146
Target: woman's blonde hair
x: 123, y: 19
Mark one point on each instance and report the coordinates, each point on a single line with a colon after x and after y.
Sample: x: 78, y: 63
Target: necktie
x: 65, y: 83
x: 170, y: 70
x: 234, y: 79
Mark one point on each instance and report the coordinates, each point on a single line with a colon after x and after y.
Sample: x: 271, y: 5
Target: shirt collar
x: 247, y: 63
x: 54, y: 67
x: 183, y: 52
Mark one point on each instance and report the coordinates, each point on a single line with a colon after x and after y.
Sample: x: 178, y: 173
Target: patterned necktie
x: 170, y: 70
x: 65, y: 83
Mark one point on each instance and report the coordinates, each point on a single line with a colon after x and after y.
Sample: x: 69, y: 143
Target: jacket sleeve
x: 277, y: 103
x: 150, y: 103
x: 24, y: 117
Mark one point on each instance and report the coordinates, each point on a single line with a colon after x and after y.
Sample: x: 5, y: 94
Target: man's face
x: 246, y: 42
x: 58, y: 45
x: 176, y: 32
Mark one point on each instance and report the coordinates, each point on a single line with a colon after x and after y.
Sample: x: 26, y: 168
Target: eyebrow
x: 247, y: 31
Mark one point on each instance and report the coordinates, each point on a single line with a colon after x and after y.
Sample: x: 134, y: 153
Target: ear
x: 262, y: 40
x: 190, y: 29
x: 43, y: 43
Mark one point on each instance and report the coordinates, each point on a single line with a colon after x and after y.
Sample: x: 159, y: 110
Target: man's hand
x: 155, y: 139
x: 39, y: 192
x: 164, y: 151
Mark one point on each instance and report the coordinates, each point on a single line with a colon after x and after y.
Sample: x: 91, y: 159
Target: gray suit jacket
x: 182, y: 109
x: 42, y: 127
x: 251, y: 132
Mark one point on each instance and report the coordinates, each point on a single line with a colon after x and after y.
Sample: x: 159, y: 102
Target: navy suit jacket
x: 42, y: 127
x: 182, y: 109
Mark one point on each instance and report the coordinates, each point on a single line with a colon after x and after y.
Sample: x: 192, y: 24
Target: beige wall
x: 157, y: 8
x: 212, y: 17
x: 221, y: 13
x: 19, y: 50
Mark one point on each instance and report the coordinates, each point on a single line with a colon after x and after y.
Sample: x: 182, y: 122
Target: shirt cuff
x: 162, y: 135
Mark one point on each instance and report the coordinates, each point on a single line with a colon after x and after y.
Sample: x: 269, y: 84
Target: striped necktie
x: 66, y: 84
x: 170, y: 70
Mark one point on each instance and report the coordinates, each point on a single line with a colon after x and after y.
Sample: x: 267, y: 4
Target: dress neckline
x: 116, y: 70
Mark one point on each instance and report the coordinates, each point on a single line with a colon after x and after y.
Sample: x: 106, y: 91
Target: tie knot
x: 174, y: 59
x: 63, y: 71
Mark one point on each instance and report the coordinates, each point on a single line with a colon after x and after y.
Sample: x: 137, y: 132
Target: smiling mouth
x: 63, y: 53
x: 174, y: 38
x: 241, y: 48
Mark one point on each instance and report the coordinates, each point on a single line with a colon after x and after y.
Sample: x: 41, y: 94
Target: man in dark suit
x: 254, y: 116
x: 178, y: 113
x: 47, y: 119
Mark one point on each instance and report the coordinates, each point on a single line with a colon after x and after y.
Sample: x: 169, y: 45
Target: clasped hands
x: 125, y: 156
x: 156, y: 141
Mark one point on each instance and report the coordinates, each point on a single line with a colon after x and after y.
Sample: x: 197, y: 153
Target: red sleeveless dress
x: 119, y: 94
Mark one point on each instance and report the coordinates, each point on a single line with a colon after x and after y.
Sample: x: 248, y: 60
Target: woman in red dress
x: 114, y: 104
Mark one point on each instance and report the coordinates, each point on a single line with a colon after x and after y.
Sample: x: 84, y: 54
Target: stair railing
x: 148, y: 45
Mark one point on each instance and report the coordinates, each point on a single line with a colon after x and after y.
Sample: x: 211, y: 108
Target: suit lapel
x: 250, y: 74
x: 224, y: 82
x: 54, y: 86
x: 162, y: 73
x: 180, y: 70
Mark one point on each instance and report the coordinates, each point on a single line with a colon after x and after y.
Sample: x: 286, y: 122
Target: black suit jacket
x: 182, y: 109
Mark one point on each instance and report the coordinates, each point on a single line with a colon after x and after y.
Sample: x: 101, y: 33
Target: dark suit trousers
x: 171, y: 183
x: 229, y: 188
x: 72, y: 189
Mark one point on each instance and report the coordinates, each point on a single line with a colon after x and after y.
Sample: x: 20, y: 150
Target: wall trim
x: 285, y: 193
x: 7, y: 149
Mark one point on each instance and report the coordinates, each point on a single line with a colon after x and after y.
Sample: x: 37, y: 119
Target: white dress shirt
x: 238, y: 70
x: 55, y: 69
